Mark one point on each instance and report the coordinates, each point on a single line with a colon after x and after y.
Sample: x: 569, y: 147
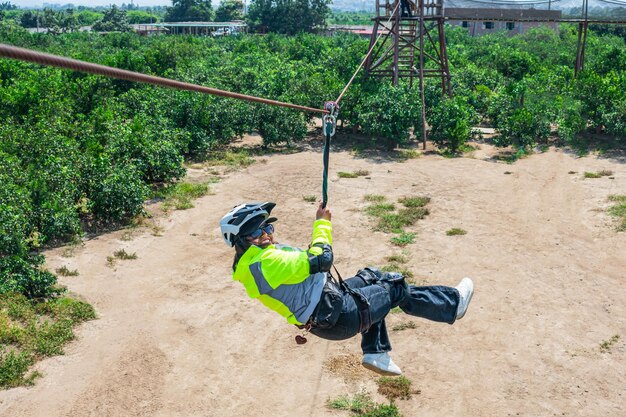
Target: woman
x: 296, y: 284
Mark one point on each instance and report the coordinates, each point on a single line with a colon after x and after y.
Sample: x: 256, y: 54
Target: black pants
x: 385, y: 291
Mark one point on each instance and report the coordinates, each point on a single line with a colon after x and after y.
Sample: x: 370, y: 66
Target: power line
x: 618, y: 2
x: 513, y: 2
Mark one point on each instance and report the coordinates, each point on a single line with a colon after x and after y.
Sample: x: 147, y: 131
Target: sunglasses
x: 269, y: 229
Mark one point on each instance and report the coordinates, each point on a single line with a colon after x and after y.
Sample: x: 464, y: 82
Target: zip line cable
x: 329, y: 121
x: 366, y: 56
x: 41, y: 58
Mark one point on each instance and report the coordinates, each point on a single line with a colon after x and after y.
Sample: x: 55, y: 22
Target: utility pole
x: 582, y: 39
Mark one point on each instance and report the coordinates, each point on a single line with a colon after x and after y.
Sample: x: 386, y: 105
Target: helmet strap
x: 241, y: 246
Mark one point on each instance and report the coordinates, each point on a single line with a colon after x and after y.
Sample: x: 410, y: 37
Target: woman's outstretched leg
x: 438, y: 302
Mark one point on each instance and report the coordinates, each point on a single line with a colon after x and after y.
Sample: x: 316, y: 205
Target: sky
x: 39, y: 3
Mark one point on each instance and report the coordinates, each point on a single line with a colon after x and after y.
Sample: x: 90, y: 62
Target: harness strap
x: 362, y: 303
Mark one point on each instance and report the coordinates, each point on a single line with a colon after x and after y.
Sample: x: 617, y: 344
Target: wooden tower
x: 411, y: 33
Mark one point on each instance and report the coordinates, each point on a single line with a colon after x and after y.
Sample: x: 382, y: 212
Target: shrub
x: 15, y: 208
x: 388, y: 115
x: 451, y: 123
x: 119, y: 195
x: 279, y: 125
x: 522, y: 128
x: 13, y: 367
x: 21, y: 274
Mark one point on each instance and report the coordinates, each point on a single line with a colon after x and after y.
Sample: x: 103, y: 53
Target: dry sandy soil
x: 177, y: 337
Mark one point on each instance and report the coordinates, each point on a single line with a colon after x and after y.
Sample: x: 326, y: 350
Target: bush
x: 451, y: 123
x: 279, y: 125
x: 13, y: 366
x: 15, y: 208
x: 117, y: 193
x: 22, y: 275
x: 388, y: 114
x: 522, y: 129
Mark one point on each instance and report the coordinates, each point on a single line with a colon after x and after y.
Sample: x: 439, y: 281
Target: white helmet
x: 244, y: 219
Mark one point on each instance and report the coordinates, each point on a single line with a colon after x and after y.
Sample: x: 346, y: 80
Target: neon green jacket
x: 279, y: 275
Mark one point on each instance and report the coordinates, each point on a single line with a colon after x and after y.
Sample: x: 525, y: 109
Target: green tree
x: 140, y: 16
x: 114, y: 20
x: 190, y: 11
x: 87, y: 17
x: 229, y: 10
x: 7, y: 6
x: 68, y: 21
x: 50, y: 20
x: 288, y: 16
x: 29, y: 19
x: 451, y: 123
x: 387, y: 115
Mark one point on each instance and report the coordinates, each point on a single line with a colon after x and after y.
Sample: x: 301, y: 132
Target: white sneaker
x: 466, y: 290
x: 381, y: 363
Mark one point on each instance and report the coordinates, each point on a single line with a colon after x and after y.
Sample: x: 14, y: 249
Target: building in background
x: 481, y: 21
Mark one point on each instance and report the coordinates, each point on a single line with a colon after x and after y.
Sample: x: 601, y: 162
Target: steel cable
x: 366, y: 56
x: 41, y: 58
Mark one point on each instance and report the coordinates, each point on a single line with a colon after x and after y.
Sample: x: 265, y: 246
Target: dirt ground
x: 177, y: 337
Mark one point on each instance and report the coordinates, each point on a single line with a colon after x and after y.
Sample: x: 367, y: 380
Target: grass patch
x: 605, y: 346
x: 354, y: 174
x: 374, y: 198
x: 414, y: 201
x: 123, y: 255
x: 362, y: 405
x: 404, y: 326
x: 391, y: 221
x: 178, y: 196
x: 397, y: 268
x: 406, y: 154
x: 309, y: 198
x: 403, y: 239
x: 347, y: 175
x: 455, y: 231
x: 359, y: 403
x: 65, y: 272
x: 395, y: 387
x: 33, y: 329
x: 234, y: 158
x: 511, y: 156
x: 395, y: 222
x: 619, y: 210
x: 592, y: 175
x: 379, y: 209
x: 599, y: 174
x: 397, y: 259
